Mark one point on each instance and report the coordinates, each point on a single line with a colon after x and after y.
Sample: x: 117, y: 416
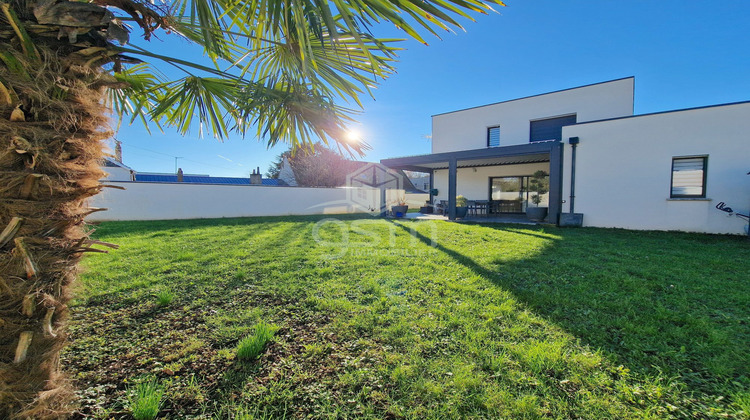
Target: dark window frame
x: 703, y: 184
x: 531, y: 122
x: 489, y: 129
x: 524, y: 188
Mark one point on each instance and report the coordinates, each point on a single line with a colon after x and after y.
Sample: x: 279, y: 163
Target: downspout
x: 573, y: 141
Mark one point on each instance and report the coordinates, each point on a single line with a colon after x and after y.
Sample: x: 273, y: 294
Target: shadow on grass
x: 176, y: 225
x: 660, y: 303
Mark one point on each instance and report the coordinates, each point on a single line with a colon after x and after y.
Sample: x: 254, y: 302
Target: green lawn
x: 489, y: 321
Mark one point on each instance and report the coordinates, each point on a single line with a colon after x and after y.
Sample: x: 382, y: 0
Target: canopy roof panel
x: 508, y: 155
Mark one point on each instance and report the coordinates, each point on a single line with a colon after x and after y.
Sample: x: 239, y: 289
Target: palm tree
x: 273, y: 68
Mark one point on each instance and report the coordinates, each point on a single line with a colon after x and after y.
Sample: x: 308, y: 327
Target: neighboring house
x: 286, y: 173
x: 421, y: 183
x: 117, y: 171
x: 204, y: 179
x: 662, y: 171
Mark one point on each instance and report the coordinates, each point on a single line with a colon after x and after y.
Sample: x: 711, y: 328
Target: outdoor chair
x: 481, y: 207
x: 472, y: 205
x: 442, y: 207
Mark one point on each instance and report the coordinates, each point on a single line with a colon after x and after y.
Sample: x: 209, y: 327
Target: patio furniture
x: 506, y: 206
x: 442, y: 207
x: 477, y: 208
x: 481, y: 207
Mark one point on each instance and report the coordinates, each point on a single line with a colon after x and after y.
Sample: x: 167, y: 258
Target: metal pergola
x: 546, y: 151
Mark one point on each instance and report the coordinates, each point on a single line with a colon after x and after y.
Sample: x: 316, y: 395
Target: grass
x: 250, y: 347
x: 146, y: 399
x: 415, y: 319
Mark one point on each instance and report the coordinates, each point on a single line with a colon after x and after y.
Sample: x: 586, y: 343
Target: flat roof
x: 660, y: 112
x: 515, y: 154
x: 534, y: 96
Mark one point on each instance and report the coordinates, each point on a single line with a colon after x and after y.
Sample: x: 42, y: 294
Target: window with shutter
x: 549, y: 128
x: 493, y: 136
x: 689, y: 177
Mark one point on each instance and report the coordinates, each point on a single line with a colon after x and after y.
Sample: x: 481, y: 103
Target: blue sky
x: 683, y: 53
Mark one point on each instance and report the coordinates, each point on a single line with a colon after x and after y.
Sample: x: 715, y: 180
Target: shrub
x: 538, y: 186
x: 145, y: 400
x: 251, y: 346
x: 164, y: 297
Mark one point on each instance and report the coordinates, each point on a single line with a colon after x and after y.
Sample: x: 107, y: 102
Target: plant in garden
x: 538, y: 186
x: 164, y: 297
x: 278, y: 68
x: 252, y: 346
x: 145, y: 399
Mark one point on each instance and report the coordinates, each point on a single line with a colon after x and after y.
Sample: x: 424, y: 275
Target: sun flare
x: 353, y: 136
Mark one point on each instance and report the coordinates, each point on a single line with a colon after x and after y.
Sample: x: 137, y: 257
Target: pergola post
x: 432, y: 186
x: 452, y: 169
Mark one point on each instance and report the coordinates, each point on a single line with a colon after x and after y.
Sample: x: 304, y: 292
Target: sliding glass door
x: 510, y: 194
x: 507, y: 194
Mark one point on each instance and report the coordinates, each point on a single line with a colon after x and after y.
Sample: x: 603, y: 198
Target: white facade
x: 117, y: 171
x: 467, y: 129
x: 474, y: 183
x: 624, y: 168
x: 623, y: 171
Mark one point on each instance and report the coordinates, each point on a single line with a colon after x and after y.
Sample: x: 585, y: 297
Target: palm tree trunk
x: 52, y: 124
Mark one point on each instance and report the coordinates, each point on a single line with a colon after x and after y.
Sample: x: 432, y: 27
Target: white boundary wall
x: 165, y: 201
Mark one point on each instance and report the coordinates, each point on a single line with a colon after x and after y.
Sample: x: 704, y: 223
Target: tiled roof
x: 192, y: 179
x: 112, y: 163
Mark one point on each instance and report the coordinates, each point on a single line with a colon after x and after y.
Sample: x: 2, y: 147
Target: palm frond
x: 296, y: 113
x: 210, y: 99
x: 280, y: 66
x: 135, y: 97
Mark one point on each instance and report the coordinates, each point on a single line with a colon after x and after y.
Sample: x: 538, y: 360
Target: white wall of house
x: 623, y: 169
x: 467, y: 129
x: 118, y: 174
x: 474, y: 183
x: 157, y: 201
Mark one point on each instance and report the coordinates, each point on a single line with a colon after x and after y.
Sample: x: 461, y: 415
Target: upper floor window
x: 493, y: 136
x: 689, y: 177
x: 550, y: 128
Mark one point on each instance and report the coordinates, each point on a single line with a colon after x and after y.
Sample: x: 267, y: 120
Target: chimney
x: 179, y: 175
x: 256, y: 178
x: 118, y: 151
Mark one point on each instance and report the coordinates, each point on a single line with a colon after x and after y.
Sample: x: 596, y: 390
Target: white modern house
x: 659, y: 171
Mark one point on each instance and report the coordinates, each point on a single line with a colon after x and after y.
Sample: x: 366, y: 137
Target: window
x: 689, y: 177
x: 493, y: 136
x: 550, y: 128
